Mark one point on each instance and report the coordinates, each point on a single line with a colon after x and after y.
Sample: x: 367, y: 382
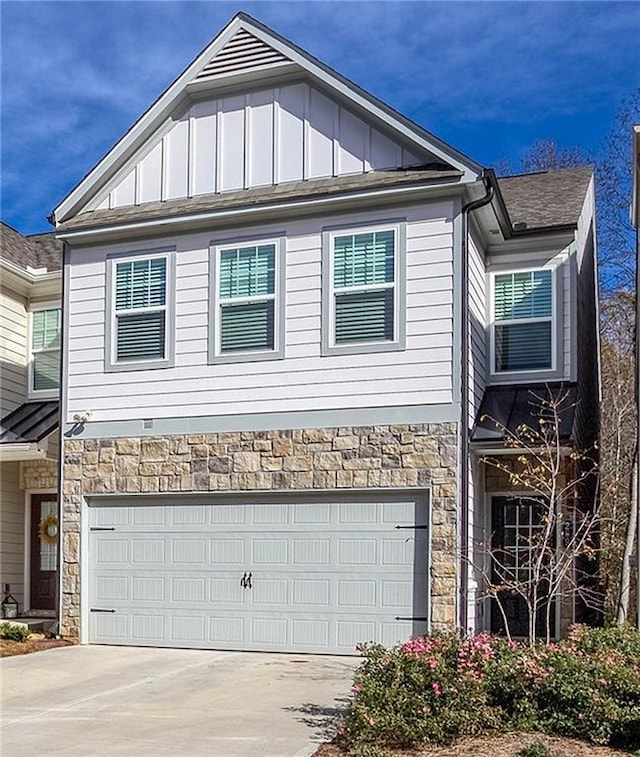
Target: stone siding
x: 325, y: 459
x: 39, y: 475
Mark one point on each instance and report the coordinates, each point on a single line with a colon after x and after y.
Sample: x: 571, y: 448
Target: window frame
x: 41, y: 393
x: 112, y: 365
x: 279, y: 300
x: 555, y: 320
x: 329, y: 345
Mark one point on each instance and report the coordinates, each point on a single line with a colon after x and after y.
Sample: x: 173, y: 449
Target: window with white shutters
x: 523, y: 321
x: 45, y: 350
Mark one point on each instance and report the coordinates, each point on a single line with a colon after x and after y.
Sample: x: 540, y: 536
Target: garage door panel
x: 147, y: 551
x: 325, y: 575
x: 188, y: 551
x: 226, y: 552
x: 149, y: 589
x: 188, y: 590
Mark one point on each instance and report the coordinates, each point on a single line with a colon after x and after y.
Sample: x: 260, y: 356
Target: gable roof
x: 247, y: 46
x: 32, y: 251
x: 547, y: 199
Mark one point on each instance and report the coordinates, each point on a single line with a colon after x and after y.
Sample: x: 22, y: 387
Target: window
x: 141, y: 295
x: 363, y: 307
x: 45, y: 350
x: 246, y: 302
x: 523, y: 321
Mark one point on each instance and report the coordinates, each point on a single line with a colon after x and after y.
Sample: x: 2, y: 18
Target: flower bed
x: 437, y: 688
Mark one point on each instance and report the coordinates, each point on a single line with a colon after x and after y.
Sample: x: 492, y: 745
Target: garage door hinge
x: 400, y: 618
x: 414, y: 528
x: 100, y: 528
x: 98, y: 609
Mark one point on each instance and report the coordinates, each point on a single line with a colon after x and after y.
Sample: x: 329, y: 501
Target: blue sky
x: 490, y: 78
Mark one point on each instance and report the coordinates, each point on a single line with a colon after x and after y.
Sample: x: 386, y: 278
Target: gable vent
x: 243, y: 51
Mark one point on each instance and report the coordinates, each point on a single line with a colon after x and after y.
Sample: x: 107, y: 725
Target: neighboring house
x: 281, y: 320
x: 30, y: 284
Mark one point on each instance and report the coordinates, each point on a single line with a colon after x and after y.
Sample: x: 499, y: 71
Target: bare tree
x: 614, y: 181
x: 542, y: 564
x: 545, y: 155
x: 618, y: 447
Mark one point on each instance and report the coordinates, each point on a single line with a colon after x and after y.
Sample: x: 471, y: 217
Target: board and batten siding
x: 13, y: 351
x: 12, y: 530
x: 271, y: 136
x: 304, y: 379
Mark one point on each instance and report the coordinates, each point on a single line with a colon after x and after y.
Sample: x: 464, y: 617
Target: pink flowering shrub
x: 436, y: 688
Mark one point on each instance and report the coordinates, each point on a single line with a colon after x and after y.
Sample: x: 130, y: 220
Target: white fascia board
x: 27, y: 283
x: 221, y: 214
x: 21, y: 451
x: 177, y: 91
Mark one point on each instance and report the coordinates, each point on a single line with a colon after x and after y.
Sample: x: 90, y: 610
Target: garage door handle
x: 98, y: 609
x: 243, y: 580
x: 248, y: 582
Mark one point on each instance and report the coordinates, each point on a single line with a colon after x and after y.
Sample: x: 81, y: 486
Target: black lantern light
x: 9, y: 604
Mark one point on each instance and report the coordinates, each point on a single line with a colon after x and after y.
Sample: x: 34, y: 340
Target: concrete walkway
x: 93, y: 701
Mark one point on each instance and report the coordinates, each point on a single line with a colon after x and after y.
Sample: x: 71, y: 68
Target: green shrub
x: 14, y: 632
x: 436, y: 688
x: 536, y: 749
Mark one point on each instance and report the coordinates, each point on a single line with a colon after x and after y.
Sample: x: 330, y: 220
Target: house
x: 285, y: 304
x: 30, y: 291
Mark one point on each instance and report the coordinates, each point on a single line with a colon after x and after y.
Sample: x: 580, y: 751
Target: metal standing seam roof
x: 508, y: 407
x: 30, y: 423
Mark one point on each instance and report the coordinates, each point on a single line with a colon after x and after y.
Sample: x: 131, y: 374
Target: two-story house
x: 30, y: 282
x: 284, y: 303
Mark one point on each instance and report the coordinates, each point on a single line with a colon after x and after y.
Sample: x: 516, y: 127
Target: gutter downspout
x: 464, y: 424
x: 61, y: 415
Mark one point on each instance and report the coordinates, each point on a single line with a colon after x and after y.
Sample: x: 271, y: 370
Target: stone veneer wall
x: 37, y: 475
x: 326, y: 459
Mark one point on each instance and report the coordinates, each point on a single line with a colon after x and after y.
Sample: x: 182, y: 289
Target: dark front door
x: 44, y: 551
x: 516, y: 525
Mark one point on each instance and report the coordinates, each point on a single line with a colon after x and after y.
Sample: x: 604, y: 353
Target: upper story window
x: 45, y: 350
x: 364, y: 290
x: 523, y: 336
x: 248, y: 291
x: 141, y: 298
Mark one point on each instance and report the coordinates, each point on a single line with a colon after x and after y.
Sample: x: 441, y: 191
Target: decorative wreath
x: 48, y: 529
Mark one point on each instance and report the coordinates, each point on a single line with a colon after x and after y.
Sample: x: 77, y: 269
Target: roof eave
x: 16, y: 451
x: 171, y: 219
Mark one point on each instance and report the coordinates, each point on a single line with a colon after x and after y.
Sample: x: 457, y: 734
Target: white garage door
x: 281, y: 574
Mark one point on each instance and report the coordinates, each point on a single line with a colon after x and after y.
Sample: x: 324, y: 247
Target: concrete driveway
x: 91, y: 701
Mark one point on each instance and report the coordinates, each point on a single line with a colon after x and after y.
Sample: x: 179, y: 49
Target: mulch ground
x: 504, y: 745
x: 35, y: 643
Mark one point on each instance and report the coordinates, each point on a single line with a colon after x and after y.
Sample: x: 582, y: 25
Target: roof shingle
x: 547, y: 199
x: 33, y: 251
